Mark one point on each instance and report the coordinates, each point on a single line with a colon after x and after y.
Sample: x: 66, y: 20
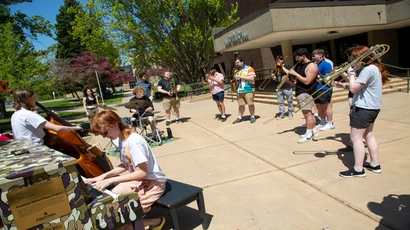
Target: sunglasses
x: 104, y: 134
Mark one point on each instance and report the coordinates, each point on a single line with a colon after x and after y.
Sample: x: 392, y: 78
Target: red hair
x: 368, y: 61
x: 107, y: 119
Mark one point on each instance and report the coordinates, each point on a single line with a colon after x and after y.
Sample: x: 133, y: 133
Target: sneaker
x: 253, y: 119
x: 328, y: 126
x: 315, y: 134
x: 168, y: 123
x: 223, y: 118
x: 290, y: 115
x: 376, y: 169
x: 281, y: 116
x: 305, y: 139
x: 236, y: 121
x: 352, y: 173
x: 177, y: 121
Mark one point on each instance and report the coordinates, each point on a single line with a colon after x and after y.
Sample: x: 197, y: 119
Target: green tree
x: 24, y: 26
x: 168, y: 33
x: 89, y: 27
x: 20, y: 64
x: 67, y: 45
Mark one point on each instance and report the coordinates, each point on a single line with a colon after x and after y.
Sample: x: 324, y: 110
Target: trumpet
x: 374, y: 53
x: 284, y: 79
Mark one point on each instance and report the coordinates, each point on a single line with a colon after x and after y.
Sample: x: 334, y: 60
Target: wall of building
x: 389, y: 37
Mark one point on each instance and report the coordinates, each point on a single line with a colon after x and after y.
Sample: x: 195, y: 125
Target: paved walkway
x: 255, y: 176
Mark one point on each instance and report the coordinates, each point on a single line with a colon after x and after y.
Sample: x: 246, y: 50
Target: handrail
x: 400, y: 68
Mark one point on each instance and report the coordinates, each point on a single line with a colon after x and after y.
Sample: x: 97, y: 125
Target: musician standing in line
x: 169, y: 86
x: 323, y: 102
x: 27, y: 124
x: 245, y: 75
x: 215, y: 81
x: 144, y: 82
x: 305, y: 72
x: 366, y: 105
x: 285, y: 91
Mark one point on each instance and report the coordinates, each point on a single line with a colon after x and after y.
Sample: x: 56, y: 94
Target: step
x: 339, y: 95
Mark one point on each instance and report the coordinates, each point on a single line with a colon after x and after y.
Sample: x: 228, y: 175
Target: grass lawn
x: 59, y: 105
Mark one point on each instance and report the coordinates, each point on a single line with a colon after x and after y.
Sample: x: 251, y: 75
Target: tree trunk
x: 3, y: 113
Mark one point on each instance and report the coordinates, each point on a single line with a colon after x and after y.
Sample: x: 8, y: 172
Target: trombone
x: 266, y: 81
x: 374, y: 53
x: 284, y: 79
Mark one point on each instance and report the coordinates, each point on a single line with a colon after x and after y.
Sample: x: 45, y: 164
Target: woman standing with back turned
x: 366, y: 105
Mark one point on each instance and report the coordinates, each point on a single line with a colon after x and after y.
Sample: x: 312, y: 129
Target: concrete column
x: 287, y: 51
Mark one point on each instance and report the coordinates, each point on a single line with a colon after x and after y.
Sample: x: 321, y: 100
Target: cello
x: 91, y: 160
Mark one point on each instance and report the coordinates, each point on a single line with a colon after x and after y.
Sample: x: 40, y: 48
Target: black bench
x: 178, y: 195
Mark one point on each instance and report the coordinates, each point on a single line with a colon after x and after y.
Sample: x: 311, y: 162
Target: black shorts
x: 362, y: 118
x: 325, y: 98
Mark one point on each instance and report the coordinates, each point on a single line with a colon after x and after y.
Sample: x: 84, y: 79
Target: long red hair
x: 106, y: 120
x: 362, y: 49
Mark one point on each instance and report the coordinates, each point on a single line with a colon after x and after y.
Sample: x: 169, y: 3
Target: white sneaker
x: 305, y: 139
x: 315, y: 134
x: 327, y: 127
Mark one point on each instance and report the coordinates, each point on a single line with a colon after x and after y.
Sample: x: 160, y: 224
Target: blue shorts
x: 219, y: 96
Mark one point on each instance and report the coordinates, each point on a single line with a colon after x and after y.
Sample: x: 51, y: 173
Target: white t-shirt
x: 29, y: 125
x: 140, y: 152
x: 329, y: 61
x: 370, y: 96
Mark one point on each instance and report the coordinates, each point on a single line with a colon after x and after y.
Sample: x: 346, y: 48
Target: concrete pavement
x: 255, y: 176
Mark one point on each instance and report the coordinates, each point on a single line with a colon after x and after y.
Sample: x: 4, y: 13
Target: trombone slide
x: 374, y: 53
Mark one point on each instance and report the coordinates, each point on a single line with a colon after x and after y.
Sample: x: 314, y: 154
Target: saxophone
x: 234, y: 82
x: 173, y: 87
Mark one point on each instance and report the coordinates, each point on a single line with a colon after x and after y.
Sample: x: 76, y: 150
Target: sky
x: 48, y: 9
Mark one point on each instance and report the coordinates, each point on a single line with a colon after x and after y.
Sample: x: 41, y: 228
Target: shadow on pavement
x: 188, y: 217
x: 394, y: 211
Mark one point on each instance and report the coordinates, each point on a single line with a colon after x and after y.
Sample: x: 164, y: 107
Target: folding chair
x: 153, y: 137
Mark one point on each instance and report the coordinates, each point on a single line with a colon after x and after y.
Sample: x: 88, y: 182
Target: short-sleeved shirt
x: 324, y: 68
x: 215, y: 87
x: 140, y: 152
x: 370, y: 96
x: 280, y: 75
x: 147, y: 86
x: 246, y: 86
x: 29, y: 125
x: 142, y: 109
x: 166, y: 85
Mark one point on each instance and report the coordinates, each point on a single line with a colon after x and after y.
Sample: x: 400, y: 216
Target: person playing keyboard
x: 145, y: 175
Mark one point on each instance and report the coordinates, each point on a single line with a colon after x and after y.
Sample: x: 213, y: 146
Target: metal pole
x: 98, y: 81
